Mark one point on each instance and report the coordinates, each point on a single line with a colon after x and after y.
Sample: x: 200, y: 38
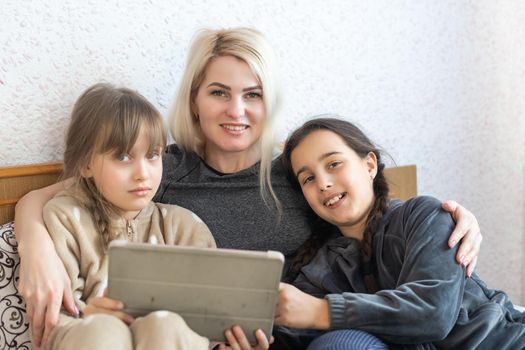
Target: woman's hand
x: 105, y: 305
x: 300, y: 310
x: 237, y: 340
x: 468, y: 232
x: 44, y: 283
x: 44, y: 287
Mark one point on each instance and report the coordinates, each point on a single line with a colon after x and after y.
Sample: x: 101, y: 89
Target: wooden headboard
x: 18, y: 180
x: 402, y: 181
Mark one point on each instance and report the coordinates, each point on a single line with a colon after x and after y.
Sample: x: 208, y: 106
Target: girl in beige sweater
x: 113, y: 153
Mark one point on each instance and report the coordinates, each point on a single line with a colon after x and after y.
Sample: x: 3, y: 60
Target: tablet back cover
x: 212, y: 289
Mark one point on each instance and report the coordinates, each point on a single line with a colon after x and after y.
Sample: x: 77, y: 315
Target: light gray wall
x: 437, y: 83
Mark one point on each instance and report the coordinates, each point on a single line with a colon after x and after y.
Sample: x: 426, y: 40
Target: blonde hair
x: 106, y: 119
x: 250, y: 46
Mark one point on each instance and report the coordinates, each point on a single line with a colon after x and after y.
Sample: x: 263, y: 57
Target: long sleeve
x: 422, y: 284
x: 63, y: 224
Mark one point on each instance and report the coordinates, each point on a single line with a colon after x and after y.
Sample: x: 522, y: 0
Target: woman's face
x: 335, y: 180
x: 230, y: 107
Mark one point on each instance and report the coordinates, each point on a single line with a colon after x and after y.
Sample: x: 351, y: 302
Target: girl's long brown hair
x: 106, y: 119
x: 361, y: 144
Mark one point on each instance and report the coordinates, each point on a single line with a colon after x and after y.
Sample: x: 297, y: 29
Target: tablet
x: 212, y: 289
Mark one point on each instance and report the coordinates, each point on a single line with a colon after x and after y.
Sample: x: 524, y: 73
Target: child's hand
x: 237, y: 340
x: 300, y: 310
x: 105, y: 305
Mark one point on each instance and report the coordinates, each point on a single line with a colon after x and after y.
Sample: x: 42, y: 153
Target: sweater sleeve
x: 425, y: 303
x: 62, y: 224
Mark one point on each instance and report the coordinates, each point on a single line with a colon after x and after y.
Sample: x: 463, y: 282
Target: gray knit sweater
x: 231, y: 204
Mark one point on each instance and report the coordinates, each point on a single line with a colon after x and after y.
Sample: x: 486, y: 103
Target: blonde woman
x: 222, y: 167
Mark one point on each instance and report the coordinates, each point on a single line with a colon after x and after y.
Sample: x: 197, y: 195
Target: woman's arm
x: 44, y: 283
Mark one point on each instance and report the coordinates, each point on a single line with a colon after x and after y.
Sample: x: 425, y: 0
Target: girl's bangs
x: 120, y: 135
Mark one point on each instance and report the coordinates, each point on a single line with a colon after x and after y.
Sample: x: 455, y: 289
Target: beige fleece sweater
x: 78, y: 243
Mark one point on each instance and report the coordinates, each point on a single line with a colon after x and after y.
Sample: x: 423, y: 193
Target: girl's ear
x: 371, y: 163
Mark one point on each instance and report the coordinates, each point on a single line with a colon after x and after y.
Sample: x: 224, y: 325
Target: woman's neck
x: 231, y: 162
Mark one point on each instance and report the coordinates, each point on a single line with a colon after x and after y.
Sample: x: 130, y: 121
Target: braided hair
x: 361, y: 144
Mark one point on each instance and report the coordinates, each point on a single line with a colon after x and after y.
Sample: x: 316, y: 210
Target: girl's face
x: 128, y: 181
x: 336, y: 182
x: 230, y: 107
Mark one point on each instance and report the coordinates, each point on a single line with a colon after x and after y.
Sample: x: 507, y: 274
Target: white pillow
x: 14, y: 327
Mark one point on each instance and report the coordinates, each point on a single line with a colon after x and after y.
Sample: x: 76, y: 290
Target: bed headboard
x: 18, y: 180
x: 402, y: 181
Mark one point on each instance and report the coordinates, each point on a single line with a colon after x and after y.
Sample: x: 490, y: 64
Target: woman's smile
x: 235, y: 129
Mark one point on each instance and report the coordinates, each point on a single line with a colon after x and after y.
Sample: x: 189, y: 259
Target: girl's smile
x: 335, y: 200
x: 336, y: 182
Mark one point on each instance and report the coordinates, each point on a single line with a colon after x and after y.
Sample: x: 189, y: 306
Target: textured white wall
x: 437, y: 83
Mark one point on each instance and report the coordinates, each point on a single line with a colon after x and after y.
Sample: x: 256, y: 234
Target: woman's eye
x: 253, y: 95
x: 219, y: 93
x: 123, y: 157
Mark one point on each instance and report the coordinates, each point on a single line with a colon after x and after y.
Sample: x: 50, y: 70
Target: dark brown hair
x: 361, y: 144
x: 106, y: 119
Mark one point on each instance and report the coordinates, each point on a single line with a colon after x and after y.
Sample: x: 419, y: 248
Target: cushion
x: 14, y: 327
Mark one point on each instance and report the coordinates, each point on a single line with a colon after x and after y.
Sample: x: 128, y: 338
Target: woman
x: 221, y: 168
x: 388, y: 270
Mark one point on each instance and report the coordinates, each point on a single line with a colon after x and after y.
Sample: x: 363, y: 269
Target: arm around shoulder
x: 29, y: 223
x: 44, y: 283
